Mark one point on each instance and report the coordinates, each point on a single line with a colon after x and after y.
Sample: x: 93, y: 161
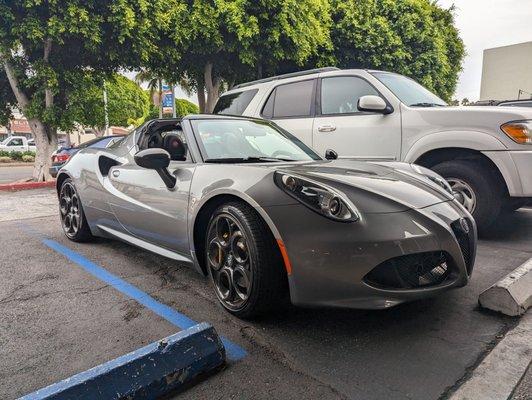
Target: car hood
x: 479, y: 118
x: 374, y: 187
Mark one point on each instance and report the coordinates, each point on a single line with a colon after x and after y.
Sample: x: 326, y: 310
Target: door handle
x: 326, y: 128
x: 116, y: 173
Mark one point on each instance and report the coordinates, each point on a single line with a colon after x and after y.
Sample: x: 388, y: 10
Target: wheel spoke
x: 223, y: 230
x: 241, y: 282
x: 216, y: 254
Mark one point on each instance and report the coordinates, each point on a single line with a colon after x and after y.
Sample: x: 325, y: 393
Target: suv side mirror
x: 157, y: 159
x: 374, y: 104
x: 330, y: 154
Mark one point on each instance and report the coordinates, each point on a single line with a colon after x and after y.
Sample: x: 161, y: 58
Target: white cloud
x: 484, y: 24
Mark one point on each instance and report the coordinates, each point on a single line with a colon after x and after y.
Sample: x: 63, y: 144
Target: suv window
x: 339, y: 95
x: 290, y: 100
x: 234, y: 103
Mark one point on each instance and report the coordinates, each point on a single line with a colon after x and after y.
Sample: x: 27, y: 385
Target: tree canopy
x: 51, y: 51
x: 127, y: 103
x: 48, y: 47
x: 416, y: 38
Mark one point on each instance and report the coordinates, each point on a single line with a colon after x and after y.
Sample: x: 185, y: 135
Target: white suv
x: 485, y: 153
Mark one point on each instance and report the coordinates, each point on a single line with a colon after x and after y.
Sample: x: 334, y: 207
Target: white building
x: 507, y: 73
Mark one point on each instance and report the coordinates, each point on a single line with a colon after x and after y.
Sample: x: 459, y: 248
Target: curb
x: 15, y: 186
x: 16, y: 164
x: 149, y: 372
x: 512, y: 295
x: 501, y: 371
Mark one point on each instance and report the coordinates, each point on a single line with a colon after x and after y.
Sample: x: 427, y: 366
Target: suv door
x: 292, y: 106
x: 354, y: 134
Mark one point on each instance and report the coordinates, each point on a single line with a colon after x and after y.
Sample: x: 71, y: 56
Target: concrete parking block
x: 502, y: 369
x: 146, y: 373
x: 512, y: 295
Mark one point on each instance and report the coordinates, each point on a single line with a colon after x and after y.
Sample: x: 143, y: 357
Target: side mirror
x: 157, y: 159
x: 373, y: 104
x: 330, y: 154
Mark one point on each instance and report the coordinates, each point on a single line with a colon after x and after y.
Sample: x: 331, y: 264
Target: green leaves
x: 416, y: 38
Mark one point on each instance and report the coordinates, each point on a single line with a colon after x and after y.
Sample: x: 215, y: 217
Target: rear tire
x: 244, y: 262
x: 473, y: 180
x: 73, y: 219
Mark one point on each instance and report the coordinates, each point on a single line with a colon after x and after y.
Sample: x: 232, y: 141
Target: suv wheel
x: 475, y: 188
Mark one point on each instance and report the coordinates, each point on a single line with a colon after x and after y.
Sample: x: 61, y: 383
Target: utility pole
x: 173, y: 101
x: 105, y: 110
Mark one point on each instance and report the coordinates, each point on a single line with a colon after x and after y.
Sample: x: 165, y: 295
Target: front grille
x: 465, y: 241
x: 411, y: 271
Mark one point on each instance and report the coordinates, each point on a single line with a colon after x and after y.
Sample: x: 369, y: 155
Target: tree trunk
x: 201, y: 98
x: 45, y: 138
x: 212, y: 86
x: 45, y: 148
x: 160, y: 98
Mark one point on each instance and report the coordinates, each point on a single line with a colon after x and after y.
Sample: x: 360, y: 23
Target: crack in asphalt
x: 279, y: 356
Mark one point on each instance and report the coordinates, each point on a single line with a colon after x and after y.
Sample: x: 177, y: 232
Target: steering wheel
x: 277, y: 153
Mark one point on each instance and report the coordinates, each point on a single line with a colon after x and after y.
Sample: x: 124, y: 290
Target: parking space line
x: 234, y: 351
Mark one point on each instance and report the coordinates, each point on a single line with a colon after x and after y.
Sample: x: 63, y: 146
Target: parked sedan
x: 64, y: 153
x: 266, y: 218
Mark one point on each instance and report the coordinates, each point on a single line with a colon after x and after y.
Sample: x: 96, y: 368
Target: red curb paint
x: 26, y: 185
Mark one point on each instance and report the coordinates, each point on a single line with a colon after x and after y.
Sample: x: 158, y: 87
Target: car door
x: 292, y: 106
x: 339, y: 125
x: 148, y: 209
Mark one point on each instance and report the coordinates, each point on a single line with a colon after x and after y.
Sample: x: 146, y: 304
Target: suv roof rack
x: 284, y: 76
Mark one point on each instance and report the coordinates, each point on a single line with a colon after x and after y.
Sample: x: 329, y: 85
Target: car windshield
x: 235, y: 140
x: 409, y: 91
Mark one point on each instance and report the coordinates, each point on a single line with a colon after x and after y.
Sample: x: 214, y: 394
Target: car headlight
x: 519, y: 131
x: 434, y: 177
x: 318, y: 197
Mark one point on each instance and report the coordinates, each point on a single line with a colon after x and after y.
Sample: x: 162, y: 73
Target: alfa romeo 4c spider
x: 267, y: 219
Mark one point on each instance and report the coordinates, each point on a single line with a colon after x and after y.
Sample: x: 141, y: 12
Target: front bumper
x: 523, y: 165
x: 330, y: 260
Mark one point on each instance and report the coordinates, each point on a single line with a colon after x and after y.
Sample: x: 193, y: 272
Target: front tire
x: 476, y: 188
x: 73, y: 219
x: 244, y: 263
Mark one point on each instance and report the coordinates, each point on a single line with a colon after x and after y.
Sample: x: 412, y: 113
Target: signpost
x: 168, y: 100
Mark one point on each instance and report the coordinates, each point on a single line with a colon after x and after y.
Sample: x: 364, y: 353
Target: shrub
x: 16, y: 155
x: 4, y: 153
x: 28, y: 158
x: 4, y: 159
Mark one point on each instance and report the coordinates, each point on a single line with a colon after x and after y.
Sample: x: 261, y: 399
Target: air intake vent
x: 411, y: 271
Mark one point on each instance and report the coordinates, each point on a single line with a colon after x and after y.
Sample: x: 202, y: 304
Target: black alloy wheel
x: 71, y: 212
x: 243, y: 261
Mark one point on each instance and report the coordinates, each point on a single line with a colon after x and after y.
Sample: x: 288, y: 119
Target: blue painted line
x: 234, y: 351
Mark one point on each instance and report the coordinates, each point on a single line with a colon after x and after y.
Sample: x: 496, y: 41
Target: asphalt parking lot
x: 57, y: 320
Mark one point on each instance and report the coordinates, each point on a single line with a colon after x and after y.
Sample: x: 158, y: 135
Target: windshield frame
x: 204, y: 156
x: 376, y: 75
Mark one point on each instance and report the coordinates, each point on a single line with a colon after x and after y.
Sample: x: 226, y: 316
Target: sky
x: 484, y: 24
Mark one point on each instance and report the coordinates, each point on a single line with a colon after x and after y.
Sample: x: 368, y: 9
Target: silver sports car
x: 267, y: 219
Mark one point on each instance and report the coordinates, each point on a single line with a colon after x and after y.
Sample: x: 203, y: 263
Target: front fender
x: 472, y: 140
x: 488, y: 145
